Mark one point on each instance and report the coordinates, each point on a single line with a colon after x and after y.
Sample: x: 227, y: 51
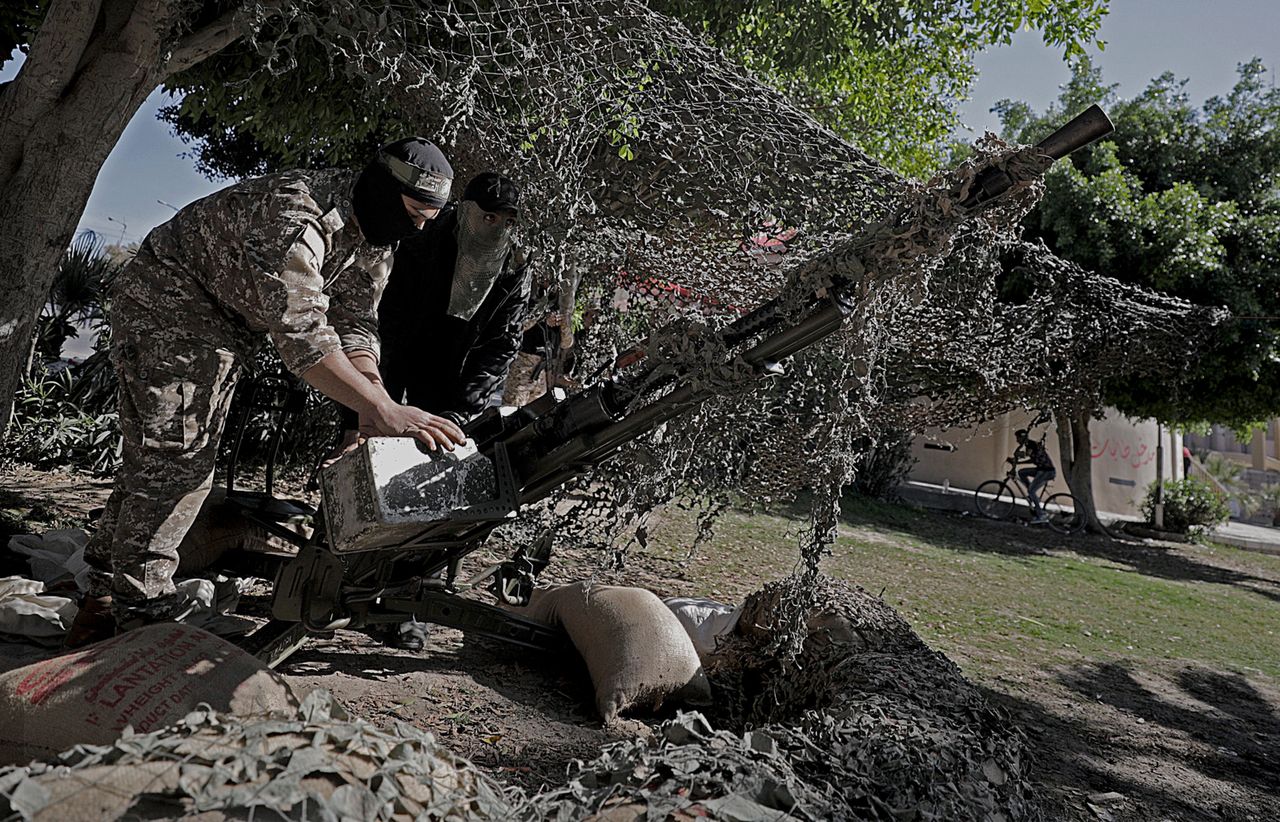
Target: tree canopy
x: 1181, y: 200
x: 888, y: 76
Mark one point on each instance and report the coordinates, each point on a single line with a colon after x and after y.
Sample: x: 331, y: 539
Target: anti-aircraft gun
x: 396, y: 522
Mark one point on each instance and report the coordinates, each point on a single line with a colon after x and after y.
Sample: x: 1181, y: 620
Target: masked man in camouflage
x: 301, y: 257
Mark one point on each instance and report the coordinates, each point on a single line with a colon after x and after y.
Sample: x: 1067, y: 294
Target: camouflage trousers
x: 177, y: 372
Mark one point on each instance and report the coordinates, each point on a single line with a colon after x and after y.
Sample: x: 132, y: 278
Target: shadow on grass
x: 1075, y: 756
x: 1238, y: 723
x: 973, y: 534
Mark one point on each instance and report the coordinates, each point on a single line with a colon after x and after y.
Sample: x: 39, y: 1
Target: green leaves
x: 1190, y: 506
x: 49, y: 430
x: 1184, y: 201
x: 19, y: 20
x: 889, y: 76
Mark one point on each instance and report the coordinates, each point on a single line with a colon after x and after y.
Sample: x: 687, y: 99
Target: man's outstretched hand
x: 390, y: 419
x: 339, y: 377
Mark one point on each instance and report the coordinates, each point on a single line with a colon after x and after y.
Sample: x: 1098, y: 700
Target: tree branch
x: 68, y: 28
x: 203, y: 43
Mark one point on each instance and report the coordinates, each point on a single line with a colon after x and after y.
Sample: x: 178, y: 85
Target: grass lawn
x: 1146, y: 673
x: 996, y: 597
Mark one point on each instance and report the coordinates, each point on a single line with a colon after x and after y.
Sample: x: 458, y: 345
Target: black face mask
x: 379, y: 209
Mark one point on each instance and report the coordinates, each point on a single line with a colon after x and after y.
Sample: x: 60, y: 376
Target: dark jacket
x: 439, y: 363
x: 1037, y: 455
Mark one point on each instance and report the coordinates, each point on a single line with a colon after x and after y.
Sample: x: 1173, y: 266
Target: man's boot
x: 94, y: 622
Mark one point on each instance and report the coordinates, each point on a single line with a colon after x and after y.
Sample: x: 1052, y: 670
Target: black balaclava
x: 414, y: 167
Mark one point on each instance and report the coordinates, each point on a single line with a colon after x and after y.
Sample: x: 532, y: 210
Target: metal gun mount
x: 395, y: 523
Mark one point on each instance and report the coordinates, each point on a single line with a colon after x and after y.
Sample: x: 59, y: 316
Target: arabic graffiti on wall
x: 1118, y: 449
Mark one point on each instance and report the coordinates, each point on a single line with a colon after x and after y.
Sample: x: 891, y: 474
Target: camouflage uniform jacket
x: 281, y: 254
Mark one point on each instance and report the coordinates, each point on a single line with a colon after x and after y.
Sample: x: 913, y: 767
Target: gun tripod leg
x: 276, y: 641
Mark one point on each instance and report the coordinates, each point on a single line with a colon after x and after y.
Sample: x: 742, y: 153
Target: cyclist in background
x: 1041, y: 469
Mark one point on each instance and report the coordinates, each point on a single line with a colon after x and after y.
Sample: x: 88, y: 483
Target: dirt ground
x: 1111, y: 742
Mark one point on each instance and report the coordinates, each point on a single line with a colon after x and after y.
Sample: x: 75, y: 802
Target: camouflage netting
x: 646, y: 155
x: 641, y: 150
x: 316, y: 765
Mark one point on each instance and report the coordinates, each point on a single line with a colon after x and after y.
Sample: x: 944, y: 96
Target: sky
x: 1199, y: 40
x: 148, y: 175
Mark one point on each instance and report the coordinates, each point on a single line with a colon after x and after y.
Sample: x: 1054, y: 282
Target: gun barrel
x: 1084, y: 128
x: 589, y: 426
x: 1081, y: 130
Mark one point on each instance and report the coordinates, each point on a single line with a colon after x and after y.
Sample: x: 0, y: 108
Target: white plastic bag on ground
x: 55, y: 556
x: 58, y: 556
x: 28, y: 613
x: 704, y: 620
x: 209, y: 604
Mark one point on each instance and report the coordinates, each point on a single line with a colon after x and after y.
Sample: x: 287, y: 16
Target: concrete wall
x: 1124, y: 457
x: 1261, y: 452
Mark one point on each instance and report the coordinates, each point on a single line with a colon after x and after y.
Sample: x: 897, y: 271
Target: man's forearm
x: 342, y: 377
x: 366, y: 364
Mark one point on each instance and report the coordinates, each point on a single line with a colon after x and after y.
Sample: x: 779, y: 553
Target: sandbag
x: 635, y: 649
x: 145, y: 679
x: 220, y: 529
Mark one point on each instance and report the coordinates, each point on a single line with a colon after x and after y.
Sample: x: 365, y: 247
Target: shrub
x: 48, y: 430
x: 69, y: 420
x: 1270, y: 497
x: 1189, y: 505
x: 884, y: 464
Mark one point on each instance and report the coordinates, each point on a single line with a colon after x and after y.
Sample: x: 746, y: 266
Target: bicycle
x: 997, y: 499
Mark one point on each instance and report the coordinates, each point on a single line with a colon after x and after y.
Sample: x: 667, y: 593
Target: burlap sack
x: 637, y: 652
x: 147, y: 679
x: 220, y: 529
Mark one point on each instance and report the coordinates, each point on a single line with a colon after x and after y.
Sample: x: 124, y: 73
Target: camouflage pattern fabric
x: 269, y: 253
x: 277, y: 255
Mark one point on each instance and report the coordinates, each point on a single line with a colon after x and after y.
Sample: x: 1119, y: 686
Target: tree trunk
x: 91, y: 66
x: 1075, y: 449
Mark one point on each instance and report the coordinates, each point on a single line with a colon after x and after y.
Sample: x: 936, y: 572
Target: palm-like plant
x: 1271, y: 497
x: 1226, y: 471
x: 1230, y: 476
x: 76, y: 295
